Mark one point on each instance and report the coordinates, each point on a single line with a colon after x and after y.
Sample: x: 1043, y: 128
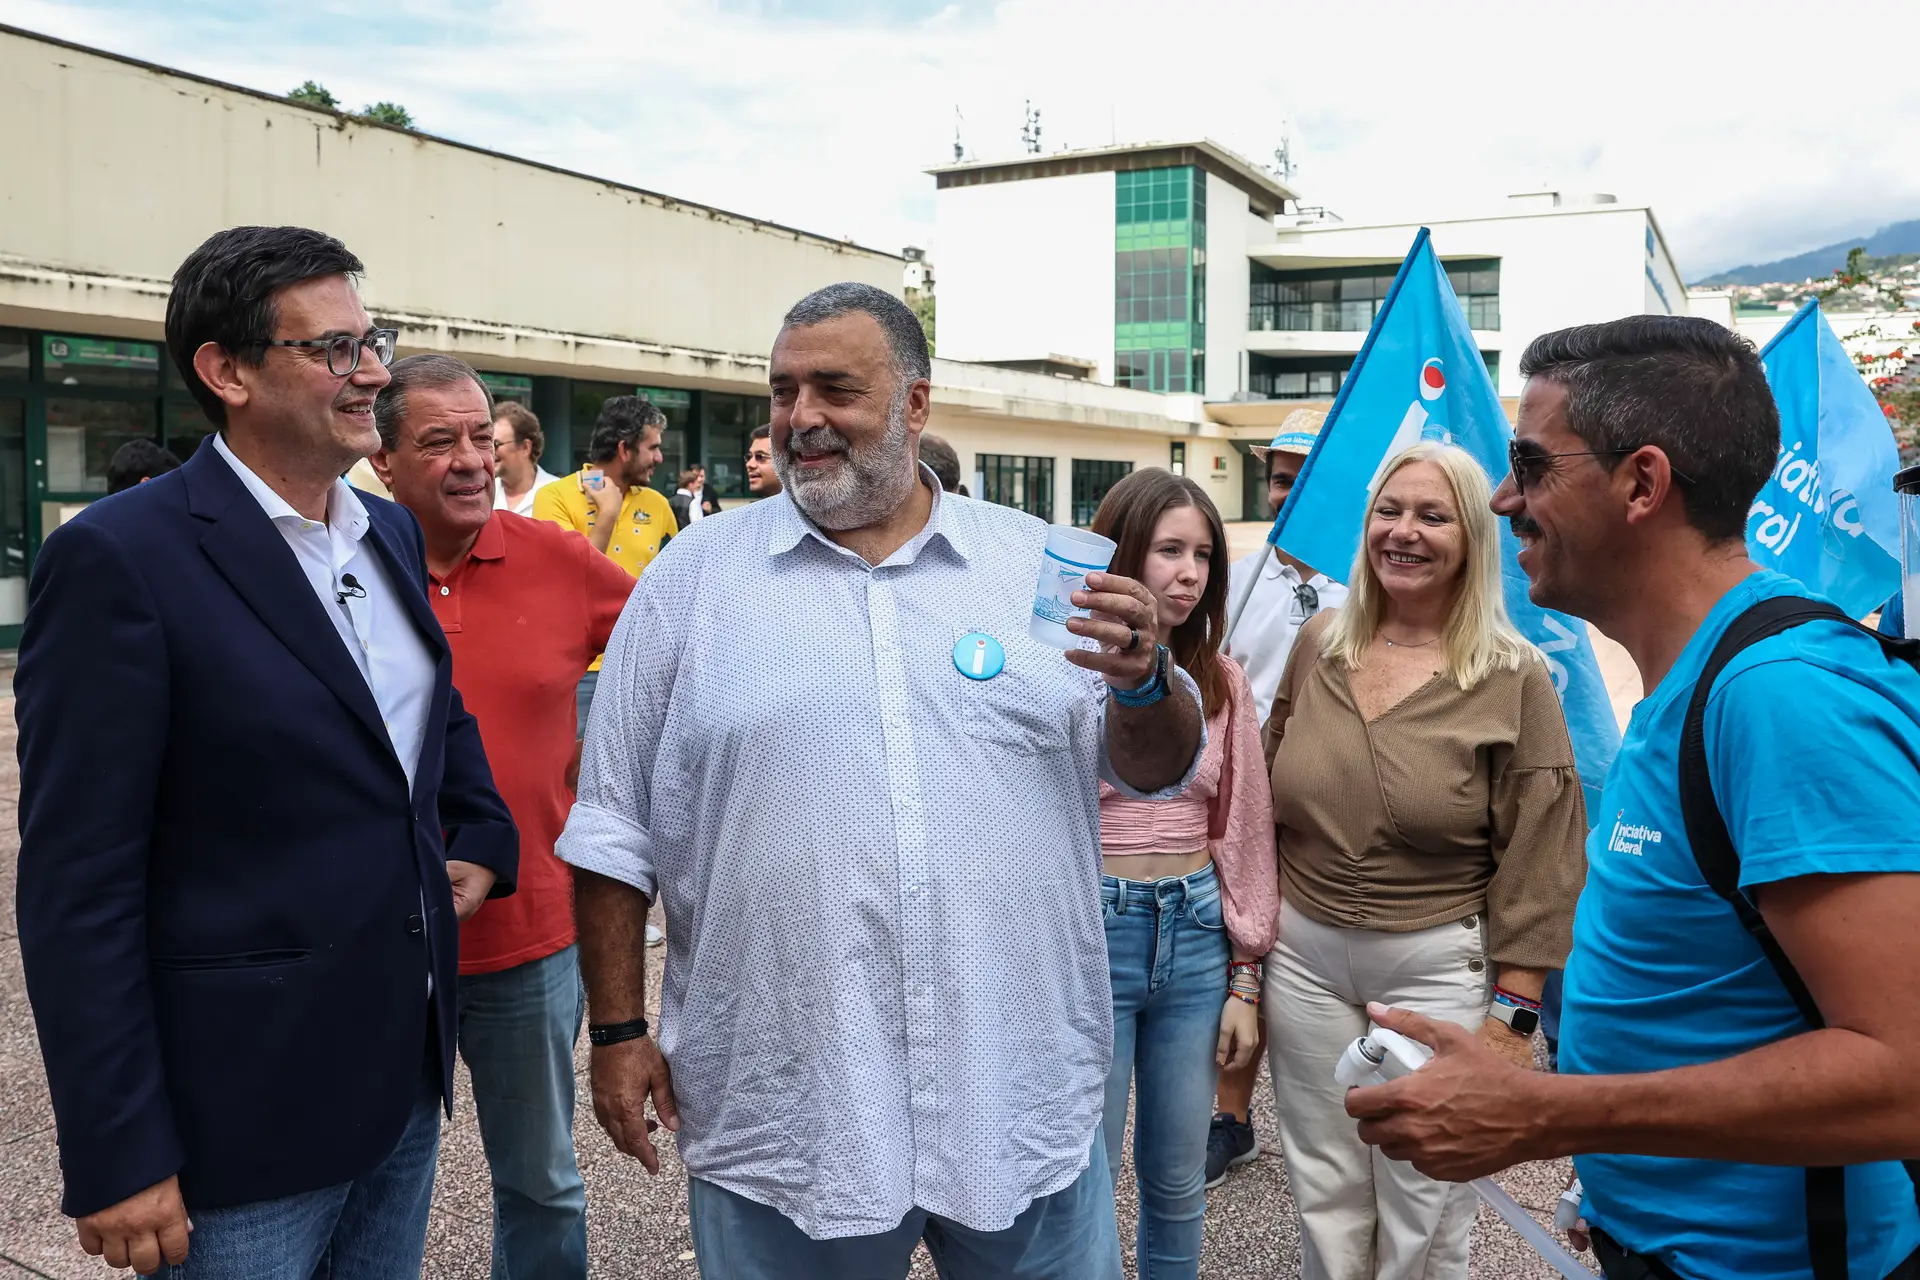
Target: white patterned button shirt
x: 886, y: 978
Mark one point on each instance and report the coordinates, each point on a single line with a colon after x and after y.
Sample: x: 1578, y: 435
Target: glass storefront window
x: 13, y: 354
x: 13, y: 512
x: 1091, y: 480
x: 83, y: 435
x: 677, y: 405
x: 187, y: 426
x: 730, y: 422
x: 70, y: 361
x: 1023, y: 483
x: 509, y: 386
x: 587, y: 398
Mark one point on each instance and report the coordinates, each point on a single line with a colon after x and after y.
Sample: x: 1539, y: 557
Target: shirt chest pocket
x: 1020, y: 712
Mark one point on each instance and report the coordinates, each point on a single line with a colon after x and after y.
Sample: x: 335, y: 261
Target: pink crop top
x: 1235, y: 827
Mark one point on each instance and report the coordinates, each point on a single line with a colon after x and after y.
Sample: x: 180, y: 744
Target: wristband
x: 1153, y: 690
x: 617, y: 1032
x: 1507, y: 997
x: 1507, y: 1007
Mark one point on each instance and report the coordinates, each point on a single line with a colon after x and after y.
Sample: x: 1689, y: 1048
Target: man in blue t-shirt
x: 1695, y: 1095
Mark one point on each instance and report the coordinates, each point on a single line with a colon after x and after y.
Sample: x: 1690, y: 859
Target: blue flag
x: 1419, y: 376
x: 1828, y: 516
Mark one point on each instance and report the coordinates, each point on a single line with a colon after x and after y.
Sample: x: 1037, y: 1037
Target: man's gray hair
x: 905, y: 337
x: 412, y: 374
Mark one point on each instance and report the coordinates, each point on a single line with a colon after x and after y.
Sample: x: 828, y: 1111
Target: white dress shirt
x: 886, y: 980
x: 375, y: 628
x: 1279, y: 608
x: 524, y: 507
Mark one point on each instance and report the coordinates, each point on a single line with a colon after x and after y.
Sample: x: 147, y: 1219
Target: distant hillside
x: 1901, y: 237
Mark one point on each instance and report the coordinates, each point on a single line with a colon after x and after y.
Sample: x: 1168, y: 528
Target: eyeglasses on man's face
x: 343, y: 349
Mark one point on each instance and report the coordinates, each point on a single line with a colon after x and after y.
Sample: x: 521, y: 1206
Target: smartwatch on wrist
x: 1521, y: 1020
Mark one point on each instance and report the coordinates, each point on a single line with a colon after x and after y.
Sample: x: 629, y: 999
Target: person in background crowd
x: 691, y: 501
x: 1191, y: 892
x: 525, y: 607
x: 609, y: 502
x: 1286, y: 595
x: 1430, y: 827
x: 240, y: 939
x: 944, y: 462
x: 1717, y: 1128
x: 136, y: 462
x: 762, y: 480
x: 361, y: 476
x: 889, y: 1049
x: 517, y: 445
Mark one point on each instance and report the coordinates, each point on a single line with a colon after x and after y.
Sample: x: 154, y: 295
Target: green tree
x: 388, y: 113
x: 922, y: 303
x: 1858, y: 274
x: 315, y: 94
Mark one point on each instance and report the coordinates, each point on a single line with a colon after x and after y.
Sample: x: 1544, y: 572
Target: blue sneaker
x: 1230, y: 1144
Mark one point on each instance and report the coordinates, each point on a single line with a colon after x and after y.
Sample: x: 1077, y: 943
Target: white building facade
x: 1182, y: 268
x: 562, y: 290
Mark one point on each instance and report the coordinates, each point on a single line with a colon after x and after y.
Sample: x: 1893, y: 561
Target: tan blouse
x: 1450, y: 803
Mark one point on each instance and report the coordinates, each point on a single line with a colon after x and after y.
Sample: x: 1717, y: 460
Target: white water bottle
x: 1379, y: 1056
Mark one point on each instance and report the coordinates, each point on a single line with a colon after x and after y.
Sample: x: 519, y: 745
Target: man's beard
x: 868, y: 486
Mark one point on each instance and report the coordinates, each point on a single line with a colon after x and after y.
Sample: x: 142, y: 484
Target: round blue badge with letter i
x: 978, y: 656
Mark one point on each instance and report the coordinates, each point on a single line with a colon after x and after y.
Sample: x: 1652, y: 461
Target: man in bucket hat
x: 1285, y: 596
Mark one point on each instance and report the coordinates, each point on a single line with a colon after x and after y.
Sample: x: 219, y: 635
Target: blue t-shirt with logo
x: 1813, y: 742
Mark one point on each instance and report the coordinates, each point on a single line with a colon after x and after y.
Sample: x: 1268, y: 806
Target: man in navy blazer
x: 253, y: 811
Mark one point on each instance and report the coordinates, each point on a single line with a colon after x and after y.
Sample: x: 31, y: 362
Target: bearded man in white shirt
x: 885, y: 1007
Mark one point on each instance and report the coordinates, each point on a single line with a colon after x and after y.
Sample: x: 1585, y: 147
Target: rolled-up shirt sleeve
x: 609, y: 830
x: 1114, y: 780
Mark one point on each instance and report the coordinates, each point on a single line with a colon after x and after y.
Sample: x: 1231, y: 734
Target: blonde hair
x: 1478, y: 638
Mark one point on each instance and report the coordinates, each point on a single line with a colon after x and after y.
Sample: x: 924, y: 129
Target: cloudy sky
x: 1755, y: 130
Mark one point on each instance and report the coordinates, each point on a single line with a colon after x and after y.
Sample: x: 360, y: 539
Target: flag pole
x: 1246, y: 596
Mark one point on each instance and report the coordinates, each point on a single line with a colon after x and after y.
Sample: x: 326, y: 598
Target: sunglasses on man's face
x: 1529, y: 464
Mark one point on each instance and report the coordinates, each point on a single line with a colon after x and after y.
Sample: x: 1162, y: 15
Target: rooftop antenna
x: 1030, y: 131
x: 959, y: 151
x: 1283, y: 154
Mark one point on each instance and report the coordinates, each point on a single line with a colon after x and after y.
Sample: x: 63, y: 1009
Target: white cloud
x: 1747, y: 136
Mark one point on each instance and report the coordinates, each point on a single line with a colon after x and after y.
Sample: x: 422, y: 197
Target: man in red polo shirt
x: 526, y: 606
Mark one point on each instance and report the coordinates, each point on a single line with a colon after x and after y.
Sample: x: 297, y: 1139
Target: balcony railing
x: 1483, y: 314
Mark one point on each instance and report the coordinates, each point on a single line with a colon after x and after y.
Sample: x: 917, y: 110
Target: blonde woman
x: 1431, y: 835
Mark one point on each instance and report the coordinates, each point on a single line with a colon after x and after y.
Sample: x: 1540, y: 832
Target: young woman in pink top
x: 1191, y: 891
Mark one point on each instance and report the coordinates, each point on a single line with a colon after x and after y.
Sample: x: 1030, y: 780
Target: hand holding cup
x: 1124, y: 621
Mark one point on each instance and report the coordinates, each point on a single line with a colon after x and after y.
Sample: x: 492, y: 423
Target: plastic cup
x: 1070, y: 555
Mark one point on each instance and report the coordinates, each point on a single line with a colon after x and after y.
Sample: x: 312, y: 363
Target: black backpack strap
x: 1719, y: 865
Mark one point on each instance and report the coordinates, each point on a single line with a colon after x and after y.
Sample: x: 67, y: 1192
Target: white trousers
x: 1363, y: 1216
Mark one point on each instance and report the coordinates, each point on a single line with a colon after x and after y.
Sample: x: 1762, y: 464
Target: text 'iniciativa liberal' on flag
x: 1420, y: 376
x: 1829, y: 515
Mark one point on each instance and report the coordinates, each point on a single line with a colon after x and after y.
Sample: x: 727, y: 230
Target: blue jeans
x: 1167, y: 952
x: 583, y: 702
x: 1068, y: 1235
x: 373, y: 1228
x: 517, y: 1029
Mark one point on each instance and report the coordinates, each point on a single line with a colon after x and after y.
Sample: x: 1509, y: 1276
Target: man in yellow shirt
x: 609, y: 502
x: 608, y: 499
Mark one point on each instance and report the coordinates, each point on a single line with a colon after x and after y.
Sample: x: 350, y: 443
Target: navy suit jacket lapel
x: 251, y: 554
